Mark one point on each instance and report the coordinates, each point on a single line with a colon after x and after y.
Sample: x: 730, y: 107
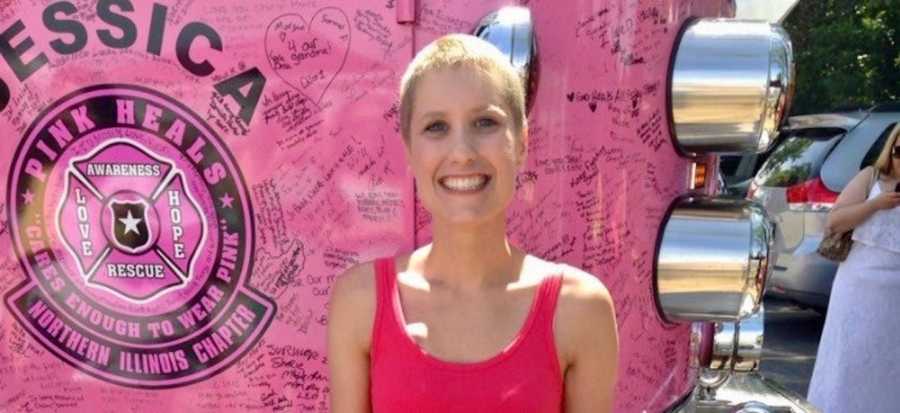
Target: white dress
x: 858, y: 364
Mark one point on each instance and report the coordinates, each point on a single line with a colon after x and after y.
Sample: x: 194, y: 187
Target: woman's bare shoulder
x: 356, y: 280
x: 576, y: 283
x: 353, y: 304
x: 583, y: 290
x: 584, y: 303
x: 585, y: 320
x: 857, y: 190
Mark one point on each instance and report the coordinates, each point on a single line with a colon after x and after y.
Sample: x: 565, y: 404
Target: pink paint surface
x: 315, y: 182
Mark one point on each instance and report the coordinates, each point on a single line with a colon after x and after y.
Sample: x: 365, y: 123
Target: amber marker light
x: 698, y: 175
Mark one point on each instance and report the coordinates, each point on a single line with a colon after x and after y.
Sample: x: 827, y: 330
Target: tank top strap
x: 385, y: 280
x: 543, y: 350
x: 550, y: 287
x: 548, y: 296
x: 384, y: 269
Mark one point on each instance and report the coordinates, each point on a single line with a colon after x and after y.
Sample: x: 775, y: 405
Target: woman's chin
x: 468, y: 218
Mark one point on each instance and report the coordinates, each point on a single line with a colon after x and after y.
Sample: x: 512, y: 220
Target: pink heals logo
x: 134, y: 226
x: 140, y: 250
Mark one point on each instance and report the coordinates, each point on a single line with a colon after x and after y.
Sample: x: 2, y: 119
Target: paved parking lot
x: 791, y: 340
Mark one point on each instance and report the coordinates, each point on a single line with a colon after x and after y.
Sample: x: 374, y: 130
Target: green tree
x: 847, y: 53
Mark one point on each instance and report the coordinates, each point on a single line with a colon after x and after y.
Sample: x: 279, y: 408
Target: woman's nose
x: 463, y: 150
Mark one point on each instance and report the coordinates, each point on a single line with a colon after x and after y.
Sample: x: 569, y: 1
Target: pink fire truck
x: 184, y: 181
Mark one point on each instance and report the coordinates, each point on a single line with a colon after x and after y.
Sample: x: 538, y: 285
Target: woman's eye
x: 436, y: 127
x: 485, y: 123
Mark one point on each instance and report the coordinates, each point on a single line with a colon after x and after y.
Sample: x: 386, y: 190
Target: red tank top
x: 524, y: 377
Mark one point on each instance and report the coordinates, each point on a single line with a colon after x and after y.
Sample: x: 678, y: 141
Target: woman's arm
x: 590, y: 321
x: 852, y: 207
x: 350, y: 318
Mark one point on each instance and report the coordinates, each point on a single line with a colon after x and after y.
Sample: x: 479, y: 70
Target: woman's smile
x: 464, y: 184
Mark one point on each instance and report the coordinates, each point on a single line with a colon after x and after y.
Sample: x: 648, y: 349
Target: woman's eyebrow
x: 489, y: 108
x: 432, y: 114
x: 493, y: 108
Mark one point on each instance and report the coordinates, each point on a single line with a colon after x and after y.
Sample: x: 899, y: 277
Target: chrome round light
x: 511, y: 29
x: 713, y: 259
x: 731, y: 83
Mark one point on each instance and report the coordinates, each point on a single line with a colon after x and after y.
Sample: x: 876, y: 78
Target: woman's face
x: 463, y: 147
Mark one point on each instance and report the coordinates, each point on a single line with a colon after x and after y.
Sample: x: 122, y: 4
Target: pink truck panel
x: 185, y: 180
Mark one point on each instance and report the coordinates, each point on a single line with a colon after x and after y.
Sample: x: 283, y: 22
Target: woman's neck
x: 469, y: 258
x: 893, y: 176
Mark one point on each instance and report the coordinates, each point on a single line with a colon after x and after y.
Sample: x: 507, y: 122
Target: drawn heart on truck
x: 309, y: 55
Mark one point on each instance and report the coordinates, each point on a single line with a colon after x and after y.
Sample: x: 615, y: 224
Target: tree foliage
x: 847, y: 53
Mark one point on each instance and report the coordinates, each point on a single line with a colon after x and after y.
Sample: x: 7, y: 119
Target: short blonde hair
x: 884, y: 164
x: 455, y: 51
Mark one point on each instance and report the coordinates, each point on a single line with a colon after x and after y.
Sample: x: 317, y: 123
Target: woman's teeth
x: 469, y: 183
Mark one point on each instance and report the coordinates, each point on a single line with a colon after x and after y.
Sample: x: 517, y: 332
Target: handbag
x: 836, y: 246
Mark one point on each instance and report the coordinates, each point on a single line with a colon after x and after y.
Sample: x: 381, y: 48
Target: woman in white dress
x: 858, y: 364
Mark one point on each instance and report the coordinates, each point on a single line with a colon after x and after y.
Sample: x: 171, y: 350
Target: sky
x: 771, y: 10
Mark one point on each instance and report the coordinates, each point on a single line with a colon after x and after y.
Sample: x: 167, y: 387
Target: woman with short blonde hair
x: 469, y: 322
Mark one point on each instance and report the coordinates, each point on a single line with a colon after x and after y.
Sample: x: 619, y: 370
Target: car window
x: 845, y: 160
x: 876, y: 148
x: 797, y: 159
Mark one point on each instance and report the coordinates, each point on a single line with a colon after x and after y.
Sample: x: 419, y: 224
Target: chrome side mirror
x: 512, y: 31
x: 730, y: 86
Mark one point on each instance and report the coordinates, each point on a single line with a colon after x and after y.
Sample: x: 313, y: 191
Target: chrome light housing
x: 713, y: 259
x: 511, y: 29
x: 738, y: 345
x: 730, y: 86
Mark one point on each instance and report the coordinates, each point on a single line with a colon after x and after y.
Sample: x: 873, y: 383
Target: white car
x: 799, y: 183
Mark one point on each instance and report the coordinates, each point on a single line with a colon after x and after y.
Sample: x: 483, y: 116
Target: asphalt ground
x: 790, y: 343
